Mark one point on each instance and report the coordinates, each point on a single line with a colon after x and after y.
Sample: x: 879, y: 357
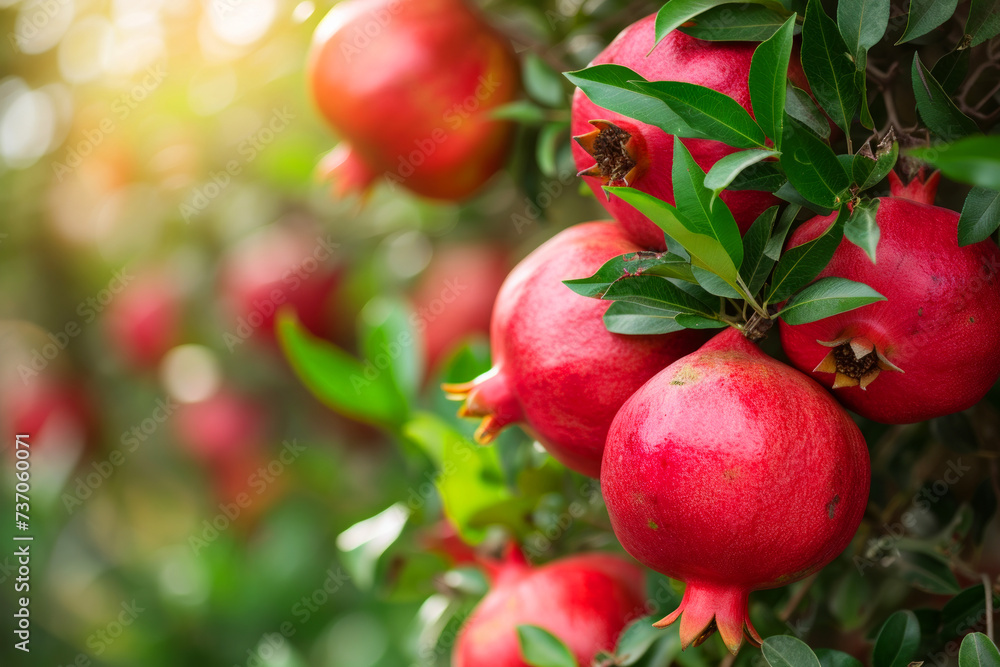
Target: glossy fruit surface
x: 733, y: 472
x: 409, y: 86
x: 557, y: 370
x: 933, y: 347
x: 624, y: 151
x: 586, y: 601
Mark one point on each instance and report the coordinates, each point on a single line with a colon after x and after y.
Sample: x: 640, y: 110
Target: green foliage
x: 541, y: 648
x: 973, y: 160
x: 827, y: 297
x: 897, y: 641
x: 786, y: 651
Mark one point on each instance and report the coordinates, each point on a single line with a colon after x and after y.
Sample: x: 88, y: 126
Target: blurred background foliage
x: 192, y: 502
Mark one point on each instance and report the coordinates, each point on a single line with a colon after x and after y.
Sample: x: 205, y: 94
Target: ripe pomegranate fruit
x: 454, y: 296
x: 556, y: 368
x: 409, y: 86
x: 586, y: 601
x: 733, y: 472
x: 933, y: 347
x: 281, y: 264
x: 612, y: 149
x: 56, y: 412
x: 144, y: 321
x: 221, y: 428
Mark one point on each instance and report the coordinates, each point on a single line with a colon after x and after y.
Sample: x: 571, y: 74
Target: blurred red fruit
x: 221, y: 428
x: 144, y: 321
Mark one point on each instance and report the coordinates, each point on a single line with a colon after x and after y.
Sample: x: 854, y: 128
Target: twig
x: 728, y: 660
x: 988, y: 585
x: 793, y: 603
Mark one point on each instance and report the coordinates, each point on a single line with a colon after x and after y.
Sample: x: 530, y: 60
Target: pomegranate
x: 733, y: 472
x: 276, y: 266
x: 612, y: 149
x: 144, y: 321
x: 586, y: 601
x: 409, y: 85
x: 221, y: 428
x: 933, y: 347
x: 56, y: 412
x: 556, y: 368
x: 454, y: 297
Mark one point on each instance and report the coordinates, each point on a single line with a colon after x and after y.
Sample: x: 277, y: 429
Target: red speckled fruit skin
x: 940, y: 323
x: 722, y: 66
x: 733, y: 472
x: 586, y: 601
x: 409, y: 84
x: 557, y: 369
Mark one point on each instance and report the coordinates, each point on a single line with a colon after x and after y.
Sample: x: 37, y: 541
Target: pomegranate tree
x: 409, y: 87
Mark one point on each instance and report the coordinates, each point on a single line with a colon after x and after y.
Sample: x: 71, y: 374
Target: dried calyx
x: 616, y: 153
x: 855, y: 361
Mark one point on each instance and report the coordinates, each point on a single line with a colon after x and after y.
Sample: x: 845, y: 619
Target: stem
x: 749, y: 299
x: 989, y: 605
x: 797, y: 598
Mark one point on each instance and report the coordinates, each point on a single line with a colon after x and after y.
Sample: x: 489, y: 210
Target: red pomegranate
x: 144, y: 321
x: 734, y: 473
x: 933, y: 347
x: 586, y: 601
x: 56, y: 412
x: 409, y: 86
x: 276, y: 266
x: 454, y: 296
x: 611, y: 149
x: 556, y: 368
x: 221, y: 428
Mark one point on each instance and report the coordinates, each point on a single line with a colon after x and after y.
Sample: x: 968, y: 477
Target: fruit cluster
x: 720, y: 465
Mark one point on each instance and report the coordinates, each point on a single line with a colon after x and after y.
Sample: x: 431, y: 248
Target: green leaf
x: 862, y: 24
x: 978, y: 651
x: 543, y: 83
x: 735, y: 23
x: 974, y: 160
x: 636, y: 639
x: 812, y: 166
x: 951, y: 68
x: 690, y: 321
x: 338, y: 379
x: 793, y: 196
x: 800, y: 265
x: 764, y: 176
x: 829, y: 66
x: 541, y: 648
x: 608, y: 86
x: 768, y: 78
x: 696, y: 203
x: 546, y: 149
x: 980, y: 216
x: 777, y: 240
x: 757, y: 265
x: 655, y: 292
x: 862, y: 228
x: 897, y: 641
x: 713, y: 284
x: 928, y: 572
x: 711, y: 114
x: 787, y: 651
x: 677, y: 12
x: 983, y: 22
x: 964, y: 611
x: 637, y: 320
x: 627, y: 266
x: 471, y: 479
x: 387, y: 326
x: 936, y: 109
x: 830, y: 658
x: 520, y: 111
x: 728, y: 168
x: 924, y: 16
x: 706, y: 251
x: 826, y: 298
x: 868, y: 173
x: 800, y: 106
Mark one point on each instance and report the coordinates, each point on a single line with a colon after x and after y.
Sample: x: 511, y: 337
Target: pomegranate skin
x: 940, y: 323
x: 733, y: 472
x: 144, y: 322
x: 556, y: 369
x: 409, y: 86
x: 586, y: 601
x: 722, y: 66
